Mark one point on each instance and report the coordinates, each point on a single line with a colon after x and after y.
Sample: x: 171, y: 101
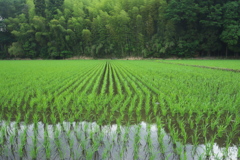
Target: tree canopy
x: 118, y: 28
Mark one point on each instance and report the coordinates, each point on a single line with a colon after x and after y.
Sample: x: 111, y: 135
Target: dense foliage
x: 119, y: 28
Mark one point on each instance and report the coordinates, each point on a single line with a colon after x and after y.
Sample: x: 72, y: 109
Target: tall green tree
x: 8, y: 8
x: 231, y: 27
x: 53, y: 7
x: 40, y: 7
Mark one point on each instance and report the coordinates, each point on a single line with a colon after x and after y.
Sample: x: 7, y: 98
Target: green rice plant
x: 58, y: 142
x: 84, y: 142
x: 214, y: 124
x: 46, y: 144
x: 23, y: 138
x: 226, y: 149
x: 195, y: 141
x: 106, y: 151
x: 147, y: 103
x: 34, y: 150
x: 198, y: 118
x: 228, y: 119
x: 132, y: 106
x: 174, y: 134
x: 137, y: 142
x: 149, y: 142
x: 11, y: 138
x: 183, y: 131
x: 53, y: 118
x: 138, y: 113
x: 221, y: 130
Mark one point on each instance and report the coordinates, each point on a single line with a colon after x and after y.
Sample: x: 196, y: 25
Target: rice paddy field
x: 119, y: 109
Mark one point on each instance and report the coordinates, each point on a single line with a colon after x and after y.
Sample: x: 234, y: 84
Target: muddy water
x: 86, y: 140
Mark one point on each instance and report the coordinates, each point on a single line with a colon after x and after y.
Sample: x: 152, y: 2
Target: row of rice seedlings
x: 124, y: 141
x: 137, y: 142
x: 98, y: 80
x: 121, y: 82
x: 151, y: 147
x: 116, y: 109
x: 139, y: 109
x: 124, y: 106
x: 46, y: 142
x: 34, y: 149
x: 104, y: 86
x: 111, y: 89
x: 117, y: 81
x: 161, y: 135
x: 22, y: 140
x: 121, y: 76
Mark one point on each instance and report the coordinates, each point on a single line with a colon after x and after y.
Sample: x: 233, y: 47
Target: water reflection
x: 86, y: 140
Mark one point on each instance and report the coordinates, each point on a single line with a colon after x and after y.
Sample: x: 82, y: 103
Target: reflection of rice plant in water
x: 124, y: 109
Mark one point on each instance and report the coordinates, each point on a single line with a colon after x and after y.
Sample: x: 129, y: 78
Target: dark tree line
x: 119, y: 28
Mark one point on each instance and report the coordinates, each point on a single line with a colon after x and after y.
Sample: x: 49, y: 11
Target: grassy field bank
x: 101, y: 109
x: 224, y: 64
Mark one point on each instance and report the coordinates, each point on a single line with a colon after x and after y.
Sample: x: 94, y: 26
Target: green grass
x: 97, y: 107
x: 228, y: 64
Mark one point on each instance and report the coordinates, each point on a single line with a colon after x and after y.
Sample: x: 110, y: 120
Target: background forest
x: 59, y: 29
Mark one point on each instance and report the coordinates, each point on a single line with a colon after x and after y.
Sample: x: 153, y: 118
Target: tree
x: 8, y: 8
x: 119, y: 30
x: 86, y: 34
x: 231, y: 26
x: 40, y: 7
x: 53, y: 7
x: 16, y: 49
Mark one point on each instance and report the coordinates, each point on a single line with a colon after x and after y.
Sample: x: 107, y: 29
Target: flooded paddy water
x: 85, y: 140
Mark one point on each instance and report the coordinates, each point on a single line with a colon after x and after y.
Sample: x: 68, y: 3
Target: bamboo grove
x: 98, y: 109
x: 118, y: 28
